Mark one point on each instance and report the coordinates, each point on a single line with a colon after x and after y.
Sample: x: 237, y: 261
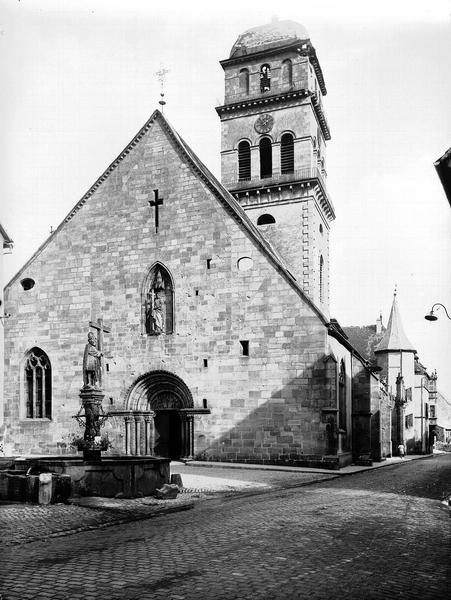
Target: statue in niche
x: 156, y: 306
x: 92, y: 367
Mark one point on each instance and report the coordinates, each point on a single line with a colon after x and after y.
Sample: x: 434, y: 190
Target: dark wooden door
x: 168, y: 427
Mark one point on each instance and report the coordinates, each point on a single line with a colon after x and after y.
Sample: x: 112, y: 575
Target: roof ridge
x: 98, y: 182
x: 209, y: 179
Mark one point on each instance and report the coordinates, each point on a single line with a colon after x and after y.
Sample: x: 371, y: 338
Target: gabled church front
x: 211, y: 300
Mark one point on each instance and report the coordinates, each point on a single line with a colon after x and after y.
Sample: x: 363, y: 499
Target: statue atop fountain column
x: 92, y: 364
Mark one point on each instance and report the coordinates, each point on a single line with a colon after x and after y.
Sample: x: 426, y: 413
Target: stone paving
x: 23, y: 523
x: 377, y: 535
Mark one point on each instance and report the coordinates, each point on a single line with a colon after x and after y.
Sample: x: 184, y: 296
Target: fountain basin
x: 112, y: 476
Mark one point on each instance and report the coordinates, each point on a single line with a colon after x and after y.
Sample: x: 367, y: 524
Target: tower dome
x: 273, y: 35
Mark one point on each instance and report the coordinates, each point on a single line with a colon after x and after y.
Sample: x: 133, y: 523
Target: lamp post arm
x: 444, y: 308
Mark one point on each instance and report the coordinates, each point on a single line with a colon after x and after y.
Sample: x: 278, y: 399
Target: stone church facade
x: 210, y: 300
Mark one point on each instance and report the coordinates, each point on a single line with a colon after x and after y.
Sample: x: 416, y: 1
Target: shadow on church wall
x: 293, y: 427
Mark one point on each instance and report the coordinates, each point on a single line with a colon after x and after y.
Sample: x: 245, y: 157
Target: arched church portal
x: 164, y: 405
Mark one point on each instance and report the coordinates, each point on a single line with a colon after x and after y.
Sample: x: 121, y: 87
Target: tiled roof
x: 365, y: 339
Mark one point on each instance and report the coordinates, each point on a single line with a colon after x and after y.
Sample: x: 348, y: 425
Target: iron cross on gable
x: 157, y: 202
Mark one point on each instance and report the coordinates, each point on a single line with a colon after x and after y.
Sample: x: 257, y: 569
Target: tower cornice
x: 280, y: 99
x: 304, y: 179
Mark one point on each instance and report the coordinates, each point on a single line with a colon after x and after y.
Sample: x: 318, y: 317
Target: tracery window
x: 38, y: 385
x: 287, y: 72
x: 244, y: 161
x: 265, y: 158
x: 158, y: 302
x: 265, y: 78
x: 287, y: 153
x: 244, y: 81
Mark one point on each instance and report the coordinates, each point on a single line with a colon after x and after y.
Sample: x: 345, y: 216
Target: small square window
x: 244, y: 347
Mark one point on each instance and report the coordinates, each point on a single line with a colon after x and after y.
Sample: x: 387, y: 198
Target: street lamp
x: 432, y: 317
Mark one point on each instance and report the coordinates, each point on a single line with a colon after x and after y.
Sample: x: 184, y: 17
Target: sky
x: 79, y: 81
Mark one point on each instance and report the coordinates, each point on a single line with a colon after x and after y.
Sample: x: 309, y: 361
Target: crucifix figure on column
x: 93, y: 364
x: 157, y: 202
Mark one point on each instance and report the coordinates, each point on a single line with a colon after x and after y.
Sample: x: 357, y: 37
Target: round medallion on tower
x: 264, y: 124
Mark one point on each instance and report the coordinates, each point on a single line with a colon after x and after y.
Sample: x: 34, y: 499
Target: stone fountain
x: 92, y: 474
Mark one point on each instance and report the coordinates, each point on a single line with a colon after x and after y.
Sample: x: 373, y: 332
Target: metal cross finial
x: 161, y: 76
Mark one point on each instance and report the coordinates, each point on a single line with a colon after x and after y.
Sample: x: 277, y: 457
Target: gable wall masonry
x: 264, y: 407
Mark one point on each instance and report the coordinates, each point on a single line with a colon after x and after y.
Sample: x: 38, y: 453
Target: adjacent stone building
x: 6, y: 245
x: 210, y: 301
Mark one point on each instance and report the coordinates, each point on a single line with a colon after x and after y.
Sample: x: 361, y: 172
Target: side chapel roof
x: 365, y: 339
x: 228, y: 201
x: 394, y: 336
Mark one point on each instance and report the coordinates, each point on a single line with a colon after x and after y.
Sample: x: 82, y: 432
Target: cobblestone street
x: 377, y: 534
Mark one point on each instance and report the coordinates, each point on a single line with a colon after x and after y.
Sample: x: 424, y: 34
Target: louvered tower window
x: 244, y: 161
x: 265, y: 78
x: 265, y: 158
x: 38, y: 385
x: 287, y: 153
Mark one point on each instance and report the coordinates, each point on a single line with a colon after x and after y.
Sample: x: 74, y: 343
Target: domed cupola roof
x: 274, y: 35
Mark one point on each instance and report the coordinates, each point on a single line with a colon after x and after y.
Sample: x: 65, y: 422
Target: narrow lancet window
x: 265, y: 158
x: 265, y: 78
x: 244, y: 81
x: 342, y: 418
x: 287, y: 73
x: 321, y: 278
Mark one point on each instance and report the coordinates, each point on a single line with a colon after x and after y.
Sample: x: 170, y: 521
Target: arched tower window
x: 287, y: 72
x: 321, y: 278
x: 244, y: 160
x: 287, y: 153
x: 38, y: 385
x: 265, y: 158
x: 265, y: 219
x: 158, y: 302
x: 265, y: 78
x: 244, y: 81
x: 342, y: 397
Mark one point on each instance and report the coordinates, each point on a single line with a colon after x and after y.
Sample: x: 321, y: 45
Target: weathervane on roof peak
x: 161, y: 76
x: 396, y: 290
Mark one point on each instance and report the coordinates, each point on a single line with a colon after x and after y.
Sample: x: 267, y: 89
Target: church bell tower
x: 273, y: 147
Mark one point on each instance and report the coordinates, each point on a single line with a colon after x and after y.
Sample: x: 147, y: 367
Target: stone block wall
x: 264, y: 406
x: 301, y: 76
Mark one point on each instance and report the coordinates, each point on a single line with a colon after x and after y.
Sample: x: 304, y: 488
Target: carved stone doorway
x: 169, y: 399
